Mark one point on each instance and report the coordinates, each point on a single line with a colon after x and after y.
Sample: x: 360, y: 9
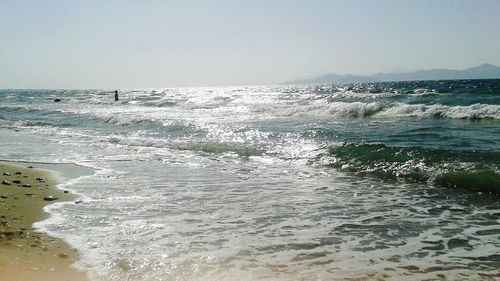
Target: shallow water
x: 272, y: 183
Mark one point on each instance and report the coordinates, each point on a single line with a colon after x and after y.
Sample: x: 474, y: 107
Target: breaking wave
x: 124, y: 120
x: 220, y: 148
x: 375, y: 109
x: 204, y: 147
x: 477, y: 171
x: 475, y: 111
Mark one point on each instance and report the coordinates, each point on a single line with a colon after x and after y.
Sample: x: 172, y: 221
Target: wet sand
x: 24, y: 253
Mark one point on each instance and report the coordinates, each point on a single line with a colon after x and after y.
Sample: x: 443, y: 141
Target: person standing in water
x: 116, y: 95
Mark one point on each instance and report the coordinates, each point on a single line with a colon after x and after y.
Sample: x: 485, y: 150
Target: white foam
x: 475, y: 111
x: 390, y: 110
x: 205, y: 213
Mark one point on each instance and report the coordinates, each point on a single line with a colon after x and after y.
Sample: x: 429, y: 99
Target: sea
x: 361, y: 181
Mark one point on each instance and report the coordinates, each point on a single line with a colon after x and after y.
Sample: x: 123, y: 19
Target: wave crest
x: 220, y: 148
x: 475, y: 111
x: 386, y: 110
x: 478, y: 171
x: 123, y: 120
x: 374, y: 109
x: 355, y: 109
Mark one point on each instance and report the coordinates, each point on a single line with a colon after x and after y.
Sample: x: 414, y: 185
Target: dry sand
x: 24, y: 253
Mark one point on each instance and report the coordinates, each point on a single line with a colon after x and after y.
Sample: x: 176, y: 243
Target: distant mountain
x: 484, y: 71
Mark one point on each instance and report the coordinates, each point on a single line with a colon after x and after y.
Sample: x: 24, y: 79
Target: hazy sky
x: 145, y: 44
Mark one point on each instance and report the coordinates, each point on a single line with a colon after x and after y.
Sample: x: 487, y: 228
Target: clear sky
x: 146, y: 43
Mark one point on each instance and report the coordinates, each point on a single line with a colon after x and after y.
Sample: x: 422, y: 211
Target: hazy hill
x: 484, y: 71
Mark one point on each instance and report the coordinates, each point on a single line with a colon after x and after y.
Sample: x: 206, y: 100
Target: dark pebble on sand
x: 17, y: 173
x: 16, y: 181
x: 26, y: 185
x: 30, y: 167
x: 5, y: 183
x: 6, y: 174
x: 9, y: 235
x: 49, y: 198
x: 3, y: 196
x: 65, y: 191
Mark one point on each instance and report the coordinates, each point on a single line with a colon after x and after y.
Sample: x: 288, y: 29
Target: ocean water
x: 393, y: 181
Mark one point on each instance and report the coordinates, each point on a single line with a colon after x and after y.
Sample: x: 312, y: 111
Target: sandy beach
x: 24, y: 253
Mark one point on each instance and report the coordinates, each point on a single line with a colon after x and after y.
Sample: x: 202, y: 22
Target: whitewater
x: 392, y: 181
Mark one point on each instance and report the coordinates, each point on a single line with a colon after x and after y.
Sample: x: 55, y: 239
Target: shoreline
x: 26, y: 254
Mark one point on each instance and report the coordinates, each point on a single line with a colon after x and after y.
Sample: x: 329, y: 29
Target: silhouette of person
x: 116, y: 95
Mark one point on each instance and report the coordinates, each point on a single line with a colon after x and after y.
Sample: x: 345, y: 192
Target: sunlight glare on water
x: 271, y: 183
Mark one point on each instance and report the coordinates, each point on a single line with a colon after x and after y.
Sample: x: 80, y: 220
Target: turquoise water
x: 378, y: 180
